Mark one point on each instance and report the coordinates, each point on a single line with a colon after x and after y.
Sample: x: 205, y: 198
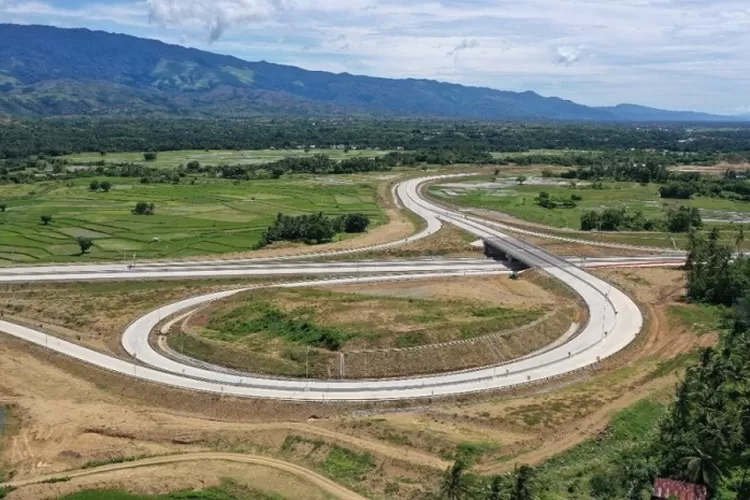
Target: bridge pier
x: 493, y: 250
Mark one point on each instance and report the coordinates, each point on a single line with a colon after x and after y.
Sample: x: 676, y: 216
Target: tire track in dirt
x: 312, y: 477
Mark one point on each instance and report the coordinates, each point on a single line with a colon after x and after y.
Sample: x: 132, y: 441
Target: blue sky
x: 677, y: 54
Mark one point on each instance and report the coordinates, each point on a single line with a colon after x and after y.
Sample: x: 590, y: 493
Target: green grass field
x: 171, y: 159
x: 211, y: 216
x: 519, y: 201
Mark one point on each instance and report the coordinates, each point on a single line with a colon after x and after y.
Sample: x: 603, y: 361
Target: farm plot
x: 211, y: 216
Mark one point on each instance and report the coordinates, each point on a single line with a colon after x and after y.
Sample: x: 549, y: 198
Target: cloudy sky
x: 677, y: 54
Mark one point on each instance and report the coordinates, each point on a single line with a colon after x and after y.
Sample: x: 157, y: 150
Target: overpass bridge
x: 507, y: 249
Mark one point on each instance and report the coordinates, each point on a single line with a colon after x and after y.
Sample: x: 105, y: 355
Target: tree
x: 149, y: 156
x: 351, y: 223
x: 521, y: 179
x: 94, y: 185
x: 143, y: 208
x: 683, y: 219
x: 455, y: 486
x: 523, y: 489
x: 46, y: 219
x: 496, y: 488
x: 3, y: 207
x: 106, y: 186
x: 84, y: 243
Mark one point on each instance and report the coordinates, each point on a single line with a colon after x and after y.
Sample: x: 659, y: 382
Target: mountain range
x: 48, y: 71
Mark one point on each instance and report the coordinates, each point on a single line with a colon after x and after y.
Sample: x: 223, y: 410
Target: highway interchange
x: 614, y: 319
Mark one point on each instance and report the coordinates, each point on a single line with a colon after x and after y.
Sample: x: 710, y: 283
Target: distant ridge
x: 48, y: 71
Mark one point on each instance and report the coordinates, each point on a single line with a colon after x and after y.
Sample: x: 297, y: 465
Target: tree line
x: 678, y: 220
x: 21, y: 138
x: 312, y: 228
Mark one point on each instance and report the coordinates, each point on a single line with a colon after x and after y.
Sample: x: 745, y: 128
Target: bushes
x: 351, y: 223
x: 312, y: 228
x: 616, y: 219
x: 544, y: 200
x: 683, y: 219
x: 677, y: 191
x: 143, y: 208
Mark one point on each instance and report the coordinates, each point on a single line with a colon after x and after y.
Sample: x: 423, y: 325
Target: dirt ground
x: 162, y: 479
x: 71, y: 414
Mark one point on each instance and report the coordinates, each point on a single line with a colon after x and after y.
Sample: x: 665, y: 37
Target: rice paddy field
x: 172, y: 159
x: 209, y: 217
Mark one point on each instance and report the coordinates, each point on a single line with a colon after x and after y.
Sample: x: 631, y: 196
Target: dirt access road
x: 316, y: 479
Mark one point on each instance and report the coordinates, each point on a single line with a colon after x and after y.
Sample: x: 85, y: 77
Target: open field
x: 211, y: 216
x: 172, y: 159
x: 507, y: 196
x: 376, y: 330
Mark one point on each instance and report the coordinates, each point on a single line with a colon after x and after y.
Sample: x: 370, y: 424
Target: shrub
x: 143, y: 208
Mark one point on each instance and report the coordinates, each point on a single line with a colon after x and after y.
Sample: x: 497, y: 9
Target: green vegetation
x: 700, y: 318
x: 210, y: 216
x: 593, y: 469
x: 332, y: 320
x: 227, y: 490
x: 680, y: 220
x: 520, y: 201
x: 312, y: 228
x: 346, y: 465
x: 341, y: 464
x: 523, y: 144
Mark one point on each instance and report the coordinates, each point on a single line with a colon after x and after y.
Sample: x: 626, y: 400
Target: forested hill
x: 47, y: 71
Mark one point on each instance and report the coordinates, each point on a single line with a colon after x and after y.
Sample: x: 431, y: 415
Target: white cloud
x: 592, y: 51
x: 568, y: 55
x: 216, y: 16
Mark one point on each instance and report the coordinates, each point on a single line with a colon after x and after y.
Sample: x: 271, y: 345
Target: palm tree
x: 455, y: 486
x: 524, y: 488
x: 496, y: 488
x: 702, y: 469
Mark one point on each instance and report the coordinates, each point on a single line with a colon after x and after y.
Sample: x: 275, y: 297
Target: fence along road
x: 614, y: 322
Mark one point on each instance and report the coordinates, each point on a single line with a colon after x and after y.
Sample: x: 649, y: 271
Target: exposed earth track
x: 313, y: 478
